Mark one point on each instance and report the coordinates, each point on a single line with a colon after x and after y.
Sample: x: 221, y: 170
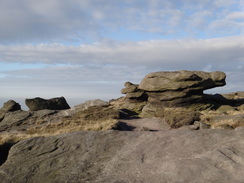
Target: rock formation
x: 185, y: 81
x: 12, y: 119
x: 172, y: 89
x: 178, y: 98
x: 171, y: 156
x: 9, y: 106
x: 36, y: 104
x: 90, y: 103
x: 179, y: 87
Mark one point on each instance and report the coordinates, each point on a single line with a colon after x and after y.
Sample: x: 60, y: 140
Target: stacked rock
x: 179, y: 87
x: 171, y: 89
x: 133, y: 93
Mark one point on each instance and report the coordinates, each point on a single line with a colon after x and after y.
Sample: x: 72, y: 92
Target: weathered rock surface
x: 181, y: 80
x: 130, y: 106
x: 90, y: 103
x: 177, y: 89
x: 133, y: 93
x: 234, y: 120
x: 29, y: 121
x: 36, y: 104
x: 172, y: 156
x: 19, y: 121
x: 12, y: 119
x: 81, y: 107
x: 234, y: 95
x: 172, y: 89
x: 9, y: 106
x: 142, y: 124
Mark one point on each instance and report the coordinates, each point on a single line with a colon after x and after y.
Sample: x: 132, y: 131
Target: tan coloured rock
x: 182, y: 80
x: 9, y: 106
x: 173, y: 89
x: 129, y: 88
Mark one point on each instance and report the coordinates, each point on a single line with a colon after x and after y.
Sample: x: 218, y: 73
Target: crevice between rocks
x: 4, y: 151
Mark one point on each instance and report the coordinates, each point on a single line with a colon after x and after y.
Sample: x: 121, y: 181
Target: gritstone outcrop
x: 171, y: 156
x: 38, y: 103
x: 177, y: 88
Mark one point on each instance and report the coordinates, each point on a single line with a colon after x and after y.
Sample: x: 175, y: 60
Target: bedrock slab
x: 179, y: 155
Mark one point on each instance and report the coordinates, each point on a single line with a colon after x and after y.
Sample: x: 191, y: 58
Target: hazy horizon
x: 87, y: 49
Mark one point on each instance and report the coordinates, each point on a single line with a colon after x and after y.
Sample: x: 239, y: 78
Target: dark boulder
x: 36, y: 104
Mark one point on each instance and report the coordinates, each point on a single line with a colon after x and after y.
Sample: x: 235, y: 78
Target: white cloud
x: 149, y: 53
x: 61, y: 20
x: 236, y: 15
x: 43, y: 20
x: 86, y: 70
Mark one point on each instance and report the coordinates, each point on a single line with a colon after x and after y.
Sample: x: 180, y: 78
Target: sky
x: 88, y: 49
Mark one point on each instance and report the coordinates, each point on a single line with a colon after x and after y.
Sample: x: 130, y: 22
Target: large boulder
x: 9, y: 106
x: 36, y: 104
x: 133, y: 93
x: 180, y: 88
x: 172, y: 89
x: 182, y: 80
x: 134, y: 100
x: 173, y: 156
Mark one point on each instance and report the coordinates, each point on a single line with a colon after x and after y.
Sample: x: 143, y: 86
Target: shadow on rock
x: 4, y: 150
x: 219, y: 100
x: 122, y: 126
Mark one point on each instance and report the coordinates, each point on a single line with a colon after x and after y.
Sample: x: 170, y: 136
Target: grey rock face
x: 180, y: 88
x: 84, y: 106
x: 90, y: 103
x: 129, y: 88
x: 36, y: 104
x: 133, y: 93
x: 171, y: 156
x: 173, y: 89
x: 9, y: 106
x: 14, y: 119
x: 180, y: 80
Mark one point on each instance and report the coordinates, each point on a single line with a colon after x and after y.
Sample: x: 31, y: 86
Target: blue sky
x: 87, y: 49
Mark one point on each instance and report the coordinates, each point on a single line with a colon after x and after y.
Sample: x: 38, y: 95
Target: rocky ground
x: 180, y: 155
x: 164, y: 130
